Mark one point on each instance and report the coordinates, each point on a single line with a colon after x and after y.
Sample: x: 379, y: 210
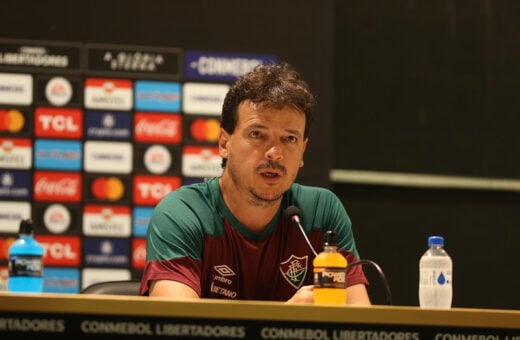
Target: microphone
x: 293, y: 214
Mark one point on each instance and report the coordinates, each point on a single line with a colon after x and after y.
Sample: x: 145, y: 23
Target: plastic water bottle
x: 330, y: 271
x: 25, y: 261
x: 435, y: 276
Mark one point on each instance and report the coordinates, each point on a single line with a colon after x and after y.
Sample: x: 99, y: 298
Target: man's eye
x: 292, y: 139
x: 254, y: 134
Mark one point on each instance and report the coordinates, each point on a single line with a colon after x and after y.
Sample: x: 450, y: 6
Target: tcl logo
x: 55, y: 122
x: 60, y: 250
x: 149, y: 190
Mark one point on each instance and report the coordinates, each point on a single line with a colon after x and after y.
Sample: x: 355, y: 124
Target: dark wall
x: 431, y: 87
x: 481, y: 233
x: 428, y: 86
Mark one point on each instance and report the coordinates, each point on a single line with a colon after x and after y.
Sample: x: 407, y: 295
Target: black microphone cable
x: 382, y: 275
x: 293, y: 213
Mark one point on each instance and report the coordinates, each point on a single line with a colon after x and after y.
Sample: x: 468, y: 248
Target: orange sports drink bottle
x: 330, y: 273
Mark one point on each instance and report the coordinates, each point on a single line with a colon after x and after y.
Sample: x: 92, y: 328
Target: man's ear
x: 223, y: 139
x: 303, y: 151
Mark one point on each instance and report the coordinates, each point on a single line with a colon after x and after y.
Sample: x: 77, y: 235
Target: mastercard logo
x: 205, y: 130
x: 108, y: 189
x: 11, y: 121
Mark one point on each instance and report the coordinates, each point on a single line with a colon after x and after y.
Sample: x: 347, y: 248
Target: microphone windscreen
x: 291, y: 211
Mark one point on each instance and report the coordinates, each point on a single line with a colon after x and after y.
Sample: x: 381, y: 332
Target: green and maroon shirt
x: 193, y: 238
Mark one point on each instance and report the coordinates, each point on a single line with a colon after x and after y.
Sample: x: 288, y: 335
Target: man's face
x: 265, y: 151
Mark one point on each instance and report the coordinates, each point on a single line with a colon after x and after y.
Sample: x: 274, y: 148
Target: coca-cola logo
x: 57, y: 186
x: 162, y: 128
x: 63, y: 187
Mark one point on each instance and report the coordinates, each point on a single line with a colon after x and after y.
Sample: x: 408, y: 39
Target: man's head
x: 263, y: 135
x: 272, y: 86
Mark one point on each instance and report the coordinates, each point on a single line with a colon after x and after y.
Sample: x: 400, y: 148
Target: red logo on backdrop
x: 106, y: 212
x: 138, y: 253
x: 8, y: 144
x: 11, y: 120
x: 157, y: 128
x: 148, y: 190
x: 5, y: 243
x: 205, y: 130
x: 108, y: 85
x: 57, y: 186
x: 60, y: 250
x: 108, y: 189
x: 56, y: 122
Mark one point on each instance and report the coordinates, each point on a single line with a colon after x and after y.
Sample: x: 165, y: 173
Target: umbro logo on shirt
x: 224, y: 270
x: 222, y: 285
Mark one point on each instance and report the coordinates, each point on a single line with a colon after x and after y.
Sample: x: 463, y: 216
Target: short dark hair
x: 276, y: 85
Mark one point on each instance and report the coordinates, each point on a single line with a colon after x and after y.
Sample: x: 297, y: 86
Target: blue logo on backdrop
x: 221, y: 66
x: 106, y: 252
x: 57, y: 155
x: 141, y: 219
x: 157, y: 96
x: 108, y: 125
x: 15, y: 184
x: 61, y: 280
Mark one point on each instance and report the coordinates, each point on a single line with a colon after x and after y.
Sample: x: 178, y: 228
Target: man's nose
x: 274, y: 152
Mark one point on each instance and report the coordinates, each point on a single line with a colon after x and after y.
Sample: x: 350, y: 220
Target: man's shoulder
x: 301, y: 190
x: 198, y: 194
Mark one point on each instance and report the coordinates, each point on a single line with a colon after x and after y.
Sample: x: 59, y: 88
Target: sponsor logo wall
x: 92, y: 137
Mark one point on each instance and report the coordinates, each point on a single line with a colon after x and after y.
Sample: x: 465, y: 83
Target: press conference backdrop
x: 109, y: 105
x: 94, y: 136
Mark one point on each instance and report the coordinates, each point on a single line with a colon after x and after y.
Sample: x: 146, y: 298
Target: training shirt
x: 194, y: 238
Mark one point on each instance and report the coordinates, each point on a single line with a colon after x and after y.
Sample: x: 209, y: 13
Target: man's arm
x: 358, y: 295
x: 168, y: 288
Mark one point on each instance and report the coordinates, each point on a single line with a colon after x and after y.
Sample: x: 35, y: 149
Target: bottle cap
x: 435, y: 241
x: 331, y: 239
x: 26, y: 226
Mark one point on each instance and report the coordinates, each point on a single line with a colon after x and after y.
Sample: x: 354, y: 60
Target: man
x: 227, y: 237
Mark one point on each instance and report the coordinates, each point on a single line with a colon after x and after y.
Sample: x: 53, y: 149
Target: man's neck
x: 253, y: 215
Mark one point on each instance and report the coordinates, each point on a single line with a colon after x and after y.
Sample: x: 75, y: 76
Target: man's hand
x: 303, y: 295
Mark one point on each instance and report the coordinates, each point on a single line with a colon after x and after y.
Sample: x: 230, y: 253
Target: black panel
x: 428, y: 87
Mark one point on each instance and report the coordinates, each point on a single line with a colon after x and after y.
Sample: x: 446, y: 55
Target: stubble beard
x: 255, y: 198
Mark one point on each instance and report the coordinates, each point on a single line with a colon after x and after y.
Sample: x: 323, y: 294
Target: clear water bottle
x: 25, y: 261
x: 435, y: 276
